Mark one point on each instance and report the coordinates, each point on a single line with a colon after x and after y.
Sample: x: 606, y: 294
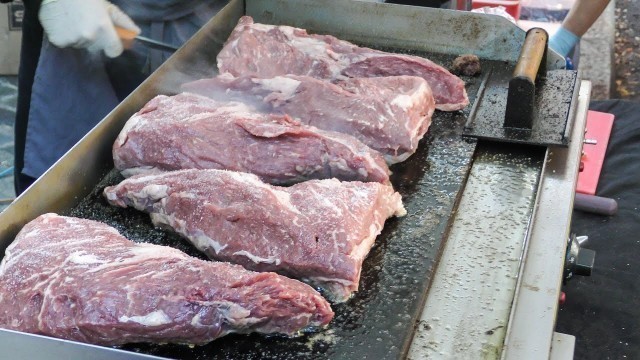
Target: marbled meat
x: 267, y: 51
x: 81, y: 280
x: 388, y: 114
x: 318, y: 231
x: 189, y: 131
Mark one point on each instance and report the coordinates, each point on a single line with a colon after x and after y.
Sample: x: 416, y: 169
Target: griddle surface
x: 378, y: 322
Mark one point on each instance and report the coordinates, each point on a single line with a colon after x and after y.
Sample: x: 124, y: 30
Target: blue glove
x: 563, y: 41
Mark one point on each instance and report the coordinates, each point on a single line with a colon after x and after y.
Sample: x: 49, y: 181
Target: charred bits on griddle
x: 467, y: 64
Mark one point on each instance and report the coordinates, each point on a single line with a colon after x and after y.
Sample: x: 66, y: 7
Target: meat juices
x: 189, y: 131
x: 388, y: 114
x: 267, y: 51
x: 318, y: 231
x: 81, y: 280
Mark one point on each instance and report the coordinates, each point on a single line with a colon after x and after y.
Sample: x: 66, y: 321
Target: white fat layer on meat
x: 198, y: 238
x: 11, y: 258
x: 312, y: 47
x: 395, y: 205
x: 112, y: 196
x: 366, y: 156
x: 137, y: 171
x: 308, y: 45
x: 153, y: 192
x: 195, y: 321
x: 233, y: 314
x: 82, y: 258
x: 283, y: 197
x: 390, y: 159
x: 396, y: 159
x: 424, y: 91
x: 202, y: 242
x: 257, y: 259
x: 235, y: 107
x: 134, y: 122
x: 150, y: 251
x: 326, y: 202
x: 155, y: 318
x: 284, y: 85
x: 415, y: 136
x: 341, y: 164
x: 140, y: 254
x: 362, y: 249
x: 405, y: 102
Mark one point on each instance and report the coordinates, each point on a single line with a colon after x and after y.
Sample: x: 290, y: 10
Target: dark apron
x: 73, y: 89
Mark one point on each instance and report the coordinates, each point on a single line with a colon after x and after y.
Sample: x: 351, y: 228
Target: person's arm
x: 580, y: 18
x: 583, y: 14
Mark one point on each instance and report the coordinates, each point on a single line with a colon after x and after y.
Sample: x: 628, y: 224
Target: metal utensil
x: 156, y: 44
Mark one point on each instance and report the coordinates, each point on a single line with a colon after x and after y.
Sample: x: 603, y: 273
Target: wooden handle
x: 532, y: 54
x: 126, y: 36
x: 532, y: 64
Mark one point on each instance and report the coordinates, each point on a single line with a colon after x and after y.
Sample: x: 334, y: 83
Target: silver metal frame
x: 535, y: 306
x: 469, y: 302
x: 484, y: 302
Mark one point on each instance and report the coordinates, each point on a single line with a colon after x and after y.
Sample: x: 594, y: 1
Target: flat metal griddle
x: 379, y: 321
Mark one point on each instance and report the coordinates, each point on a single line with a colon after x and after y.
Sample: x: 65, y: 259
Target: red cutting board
x: 599, y: 128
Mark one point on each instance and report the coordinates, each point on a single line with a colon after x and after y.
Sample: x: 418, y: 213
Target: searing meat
x: 267, y: 51
x: 388, y: 114
x: 318, y: 231
x: 81, y: 280
x: 188, y: 131
x: 467, y: 64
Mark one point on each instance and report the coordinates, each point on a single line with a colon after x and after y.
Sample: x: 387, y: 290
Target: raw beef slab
x: 318, y: 231
x: 388, y: 114
x: 267, y: 51
x: 189, y: 131
x: 81, y: 280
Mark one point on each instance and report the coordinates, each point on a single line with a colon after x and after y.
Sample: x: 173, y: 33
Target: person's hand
x: 563, y: 41
x: 84, y: 24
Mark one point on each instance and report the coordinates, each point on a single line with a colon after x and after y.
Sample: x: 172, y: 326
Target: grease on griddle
x: 379, y: 320
x: 132, y: 224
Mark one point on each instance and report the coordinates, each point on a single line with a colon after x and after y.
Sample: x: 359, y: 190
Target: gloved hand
x: 86, y: 24
x: 563, y: 41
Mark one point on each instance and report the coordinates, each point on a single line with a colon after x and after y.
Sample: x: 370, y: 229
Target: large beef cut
x: 388, y: 114
x: 189, y: 131
x: 318, y: 231
x: 81, y: 280
x: 267, y: 51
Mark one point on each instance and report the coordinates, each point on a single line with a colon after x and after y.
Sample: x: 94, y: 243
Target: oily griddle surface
x: 378, y: 322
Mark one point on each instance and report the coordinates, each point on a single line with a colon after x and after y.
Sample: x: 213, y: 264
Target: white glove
x: 86, y: 24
